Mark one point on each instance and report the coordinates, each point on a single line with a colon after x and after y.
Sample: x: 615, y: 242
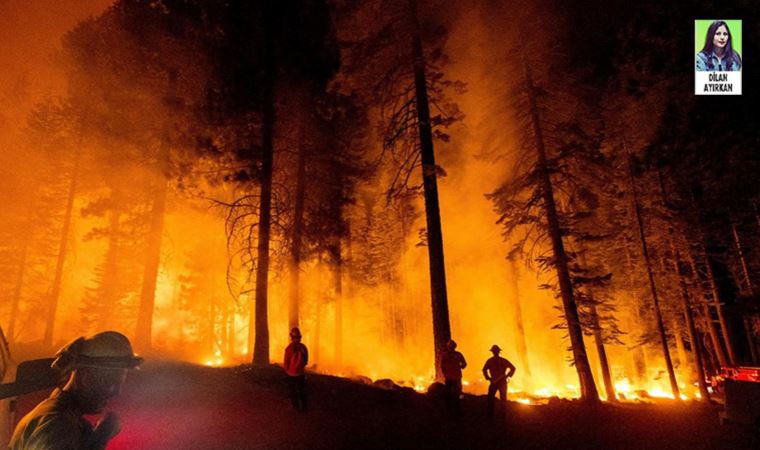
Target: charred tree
x: 712, y: 330
x: 106, y: 299
x: 742, y: 259
x: 685, y: 301
x: 652, y: 285
x: 750, y: 290
x: 580, y: 358
x: 144, y: 327
x: 5, y: 354
x: 680, y: 346
x: 637, y: 353
x: 294, y: 297
x: 439, y: 300
x: 716, y: 300
x: 260, y: 320
x: 522, y: 347
x: 55, y: 293
x: 337, y: 264
x: 231, y: 334
x: 18, y: 287
x: 609, y: 388
x: 317, y: 330
x: 693, y: 340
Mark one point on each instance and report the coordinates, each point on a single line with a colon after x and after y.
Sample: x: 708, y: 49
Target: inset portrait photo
x: 718, y: 57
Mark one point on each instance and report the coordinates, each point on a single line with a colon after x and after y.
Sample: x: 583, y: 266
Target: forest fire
x: 212, y: 178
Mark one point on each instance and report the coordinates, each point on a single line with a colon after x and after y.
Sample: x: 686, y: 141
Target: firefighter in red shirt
x: 452, y: 363
x: 495, y: 371
x: 296, y: 358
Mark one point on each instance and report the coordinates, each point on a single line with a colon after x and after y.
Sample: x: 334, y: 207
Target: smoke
x: 31, y: 33
x: 387, y: 330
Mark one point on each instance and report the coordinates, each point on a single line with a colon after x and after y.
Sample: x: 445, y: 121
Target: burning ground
x: 167, y: 405
x: 202, y: 176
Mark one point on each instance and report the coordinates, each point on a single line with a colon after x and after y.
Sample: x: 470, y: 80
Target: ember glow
x: 133, y: 177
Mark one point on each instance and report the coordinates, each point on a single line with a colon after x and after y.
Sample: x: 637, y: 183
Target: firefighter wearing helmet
x: 452, y: 363
x: 96, y: 367
x: 295, y: 361
x: 495, y: 371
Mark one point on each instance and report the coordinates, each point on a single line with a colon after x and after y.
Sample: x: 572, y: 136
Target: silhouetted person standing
x: 495, y: 371
x: 452, y: 364
x: 296, y: 358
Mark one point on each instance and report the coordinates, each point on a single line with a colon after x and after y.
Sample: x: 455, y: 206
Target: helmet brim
x: 109, y: 362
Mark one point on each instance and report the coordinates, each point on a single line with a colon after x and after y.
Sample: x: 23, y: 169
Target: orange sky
x: 30, y: 33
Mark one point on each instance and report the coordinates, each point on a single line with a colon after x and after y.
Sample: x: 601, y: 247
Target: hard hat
x: 295, y: 332
x: 495, y: 348
x: 106, y: 350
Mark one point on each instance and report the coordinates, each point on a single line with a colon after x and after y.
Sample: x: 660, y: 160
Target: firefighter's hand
x: 108, y: 427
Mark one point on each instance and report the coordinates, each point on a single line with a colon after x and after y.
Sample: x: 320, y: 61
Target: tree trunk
x: 108, y: 289
x: 695, y: 348
x: 16, y: 299
x: 439, y: 300
x: 743, y: 260
x: 231, y: 333
x: 55, y: 293
x: 522, y: 347
x: 338, y: 281
x: 350, y: 306
x: 716, y: 296
x: 143, y: 335
x: 317, y: 330
x: 580, y: 358
x: 750, y: 289
x: 261, y: 324
x: 386, y: 297
x: 712, y: 365
x: 750, y: 340
x: 637, y: 354
x: 683, y: 361
x: 5, y: 355
x: 709, y: 322
x: 652, y: 286
x: 685, y: 301
x: 722, y: 320
x: 296, y: 237
x: 211, y: 332
x: 609, y: 388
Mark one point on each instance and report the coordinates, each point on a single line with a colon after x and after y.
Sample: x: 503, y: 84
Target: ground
x: 178, y: 406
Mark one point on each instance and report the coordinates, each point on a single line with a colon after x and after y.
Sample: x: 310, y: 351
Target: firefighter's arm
x: 485, y: 372
x: 305, y: 356
x: 462, y: 362
x: 512, y: 369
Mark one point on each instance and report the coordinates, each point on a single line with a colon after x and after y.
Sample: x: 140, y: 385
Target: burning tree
x: 264, y: 51
x: 405, y: 91
x: 529, y: 197
x: 135, y: 74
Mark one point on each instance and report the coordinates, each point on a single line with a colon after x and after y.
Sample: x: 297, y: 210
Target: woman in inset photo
x: 718, y: 55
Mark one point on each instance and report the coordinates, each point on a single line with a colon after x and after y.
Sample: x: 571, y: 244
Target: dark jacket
x: 452, y: 363
x: 56, y: 423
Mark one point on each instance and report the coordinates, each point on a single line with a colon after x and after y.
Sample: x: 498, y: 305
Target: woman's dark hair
x: 730, y: 54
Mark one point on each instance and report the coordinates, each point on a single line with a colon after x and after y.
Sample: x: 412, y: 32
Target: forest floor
x: 178, y: 406
x: 169, y: 405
